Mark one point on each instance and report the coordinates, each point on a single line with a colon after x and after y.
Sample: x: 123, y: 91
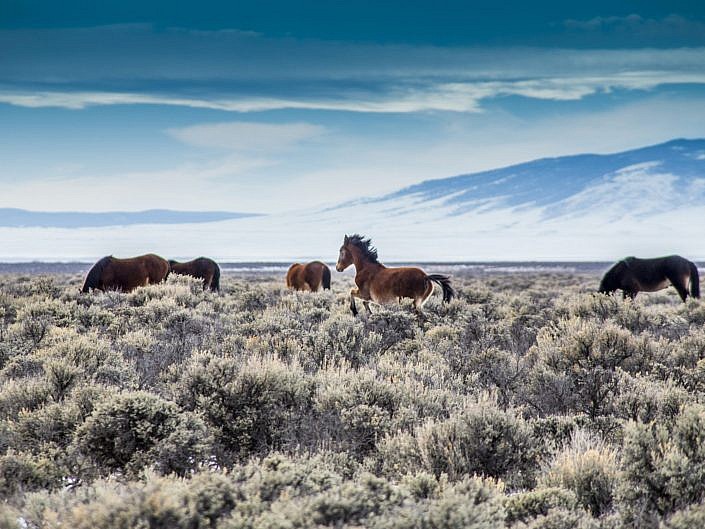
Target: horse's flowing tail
x: 694, y: 281
x: 215, y: 282
x: 444, y: 283
x: 326, y: 278
x: 94, y: 274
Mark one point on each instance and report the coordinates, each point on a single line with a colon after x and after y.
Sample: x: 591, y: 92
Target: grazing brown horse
x: 632, y: 275
x: 200, y: 268
x: 111, y: 273
x: 309, y: 276
x: 379, y: 284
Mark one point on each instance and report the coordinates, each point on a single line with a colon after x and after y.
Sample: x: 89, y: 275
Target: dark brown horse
x: 111, y: 273
x: 632, y: 275
x: 200, y: 268
x: 379, y: 284
x: 309, y: 276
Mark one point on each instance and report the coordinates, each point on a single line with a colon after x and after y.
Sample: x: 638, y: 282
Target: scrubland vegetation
x: 527, y: 402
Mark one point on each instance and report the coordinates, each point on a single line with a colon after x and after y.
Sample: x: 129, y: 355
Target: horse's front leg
x: 353, y: 294
x: 366, y: 304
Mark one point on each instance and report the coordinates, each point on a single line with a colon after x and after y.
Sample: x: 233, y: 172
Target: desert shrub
x: 61, y: 376
x: 342, y: 338
x: 22, y: 366
x: 202, y: 502
x: 391, y: 325
x: 422, y: 485
x: 603, y: 308
x: 356, y: 409
x: 560, y: 518
x: 131, y: 430
x: 687, y: 518
x: 480, y: 440
x: 27, y: 394
x: 396, y: 456
x: 588, y: 468
x: 352, y: 502
x: 556, y: 431
x: 688, y: 350
x: 93, y: 358
x: 53, y: 424
x: 281, y: 477
x: 473, y: 503
x: 21, y: 472
x: 93, y: 317
x: 256, y: 299
x: 494, y: 351
x: 34, y: 326
x: 254, y: 406
x: 663, y: 467
x: 645, y: 399
x: 573, y: 366
x: 171, y: 342
x: 694, y: 312
x: 525, y: 506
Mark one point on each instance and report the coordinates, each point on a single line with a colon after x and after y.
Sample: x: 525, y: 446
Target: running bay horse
x: 310, y: 276
x: 200, y: 268
x: 379, y: 284
x: 126, y: 274
x: 632, y: 275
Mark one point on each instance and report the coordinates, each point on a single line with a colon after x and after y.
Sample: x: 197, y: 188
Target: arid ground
x: 528, y: 401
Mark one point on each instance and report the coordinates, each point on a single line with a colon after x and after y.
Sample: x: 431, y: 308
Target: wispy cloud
x: 247, y: 137
x: 452, y: 97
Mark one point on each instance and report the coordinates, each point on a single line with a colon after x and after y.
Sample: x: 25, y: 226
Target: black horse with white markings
x: 633, y: 275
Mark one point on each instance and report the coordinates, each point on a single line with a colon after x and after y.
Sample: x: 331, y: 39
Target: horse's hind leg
x: 680, y: 284
x: 420, y: 301
x: 682, y: 289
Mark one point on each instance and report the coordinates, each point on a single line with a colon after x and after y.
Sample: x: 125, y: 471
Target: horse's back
x: 142, y: 270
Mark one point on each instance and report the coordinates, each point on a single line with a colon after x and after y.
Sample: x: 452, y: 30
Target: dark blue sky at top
x: 443, y: 22
x: 247, y: 104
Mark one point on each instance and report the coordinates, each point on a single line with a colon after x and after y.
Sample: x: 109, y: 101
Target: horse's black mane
x: 95, y: 273
x: 365, y: 246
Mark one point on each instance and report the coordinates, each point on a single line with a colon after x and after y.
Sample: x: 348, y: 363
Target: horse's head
x: 611, y: 280
x: 171, y: 264
x: 345, y: 257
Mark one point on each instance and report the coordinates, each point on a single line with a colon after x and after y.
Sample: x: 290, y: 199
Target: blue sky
x: 270, y: 106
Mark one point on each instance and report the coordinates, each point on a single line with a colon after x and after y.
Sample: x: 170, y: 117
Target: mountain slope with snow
x: 555, y: 182
x: 648, y: 201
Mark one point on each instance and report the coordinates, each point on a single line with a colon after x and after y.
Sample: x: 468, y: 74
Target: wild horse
x: 200, y: 268
x: 310, y: 276
x: 632, y: 275
x: 379, y: 284
x: 111, y: 273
